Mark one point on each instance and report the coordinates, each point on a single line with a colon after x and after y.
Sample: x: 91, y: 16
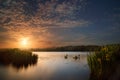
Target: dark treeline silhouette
x: 70, y: 48
x: 17, y: 58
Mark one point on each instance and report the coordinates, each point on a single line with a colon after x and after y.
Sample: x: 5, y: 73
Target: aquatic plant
x: 17, y: 58
x: 103, y: 63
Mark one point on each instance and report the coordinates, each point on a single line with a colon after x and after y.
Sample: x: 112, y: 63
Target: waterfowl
x: 66, y: 56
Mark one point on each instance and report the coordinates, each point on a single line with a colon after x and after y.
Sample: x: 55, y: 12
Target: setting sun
x: 24, y: 42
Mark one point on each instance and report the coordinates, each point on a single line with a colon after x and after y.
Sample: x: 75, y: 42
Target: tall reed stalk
x: 102, y: 63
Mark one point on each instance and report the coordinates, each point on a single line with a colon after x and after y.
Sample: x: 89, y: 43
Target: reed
x: 18, y: 58
x: 103, y: 63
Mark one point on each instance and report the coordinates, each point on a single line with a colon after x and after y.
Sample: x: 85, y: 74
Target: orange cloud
x: 37, y: 27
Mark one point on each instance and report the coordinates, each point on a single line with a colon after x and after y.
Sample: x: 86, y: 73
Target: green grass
x: 103, y: 63
x: 17, y: 58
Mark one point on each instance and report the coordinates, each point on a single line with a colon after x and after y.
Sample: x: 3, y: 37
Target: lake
x: 50, y: 66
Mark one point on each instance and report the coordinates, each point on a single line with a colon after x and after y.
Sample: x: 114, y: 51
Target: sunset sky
x: 48, y: 23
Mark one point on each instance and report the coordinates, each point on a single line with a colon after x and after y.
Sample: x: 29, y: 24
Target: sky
x: 52, y: 23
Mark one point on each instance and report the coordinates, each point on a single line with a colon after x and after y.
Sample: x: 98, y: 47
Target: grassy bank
x: 105, y: 62
x: 18, y: 58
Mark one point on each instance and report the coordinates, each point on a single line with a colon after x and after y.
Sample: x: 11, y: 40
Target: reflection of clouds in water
x: 58, y: 57
x: 52, y: 66
x: 61, y: 67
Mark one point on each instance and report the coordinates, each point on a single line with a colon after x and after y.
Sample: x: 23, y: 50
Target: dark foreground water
x: 50, y: 66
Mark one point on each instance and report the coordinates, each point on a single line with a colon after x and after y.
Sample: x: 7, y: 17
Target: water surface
x: 50, y: 66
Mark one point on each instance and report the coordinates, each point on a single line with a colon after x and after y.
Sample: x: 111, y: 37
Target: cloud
x: 21, y: 18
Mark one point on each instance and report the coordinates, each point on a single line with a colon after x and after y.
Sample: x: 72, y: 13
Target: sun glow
x: 24, y: 42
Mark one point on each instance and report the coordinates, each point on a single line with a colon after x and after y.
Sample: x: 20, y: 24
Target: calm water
x: 50, y: 66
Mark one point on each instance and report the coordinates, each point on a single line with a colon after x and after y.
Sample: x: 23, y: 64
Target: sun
x: 24, y: 43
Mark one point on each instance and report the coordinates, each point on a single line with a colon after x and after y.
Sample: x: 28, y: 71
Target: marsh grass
x: 103, y: 63
x: 18, y: 58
